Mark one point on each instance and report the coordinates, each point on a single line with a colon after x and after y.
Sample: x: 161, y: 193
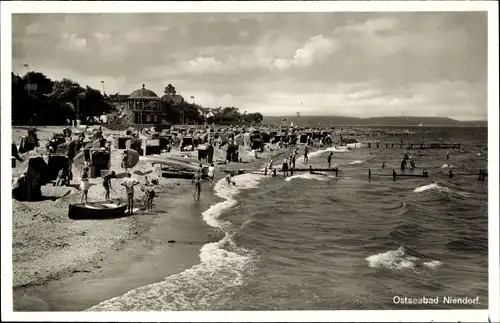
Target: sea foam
x: 433, y: 186
x: 398, y: 260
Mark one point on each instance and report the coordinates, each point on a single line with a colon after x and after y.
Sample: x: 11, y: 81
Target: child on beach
x: 85, y: 185
x: 61, y: 179
x: 211, y: 173
x: 229, y: 180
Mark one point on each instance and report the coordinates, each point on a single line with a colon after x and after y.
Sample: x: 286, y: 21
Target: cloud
x: 317, y: 48
x: 202, y: 65
x: 72, y: 41
x: 371, y: 26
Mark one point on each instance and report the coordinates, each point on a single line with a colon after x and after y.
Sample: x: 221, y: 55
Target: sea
x: 320, y: 242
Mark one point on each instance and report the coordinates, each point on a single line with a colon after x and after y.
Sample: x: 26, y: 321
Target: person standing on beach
x: 106, y: 183
x: 85, y: 185
x: 129, y: 184
x: 269, y: 167
x: 329, y: 160
x: 149, y: 192
x: 284, y: 168
x: 306, y: 158
x: 197, y: 181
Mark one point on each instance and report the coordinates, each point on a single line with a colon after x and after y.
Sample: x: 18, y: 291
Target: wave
x: 192, y: 289
x: 329, y: 149
x: 399, y: 259
x: 222, y: 265
x: 228, y: 193
x: 355, y: 162
x: 308, y: 176
x: 433, y: 186
x: 446, y: 166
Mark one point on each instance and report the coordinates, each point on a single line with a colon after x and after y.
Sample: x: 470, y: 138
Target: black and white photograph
x: 195, y: 160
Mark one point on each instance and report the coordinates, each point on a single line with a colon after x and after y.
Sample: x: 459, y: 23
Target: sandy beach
x: 65, y: 265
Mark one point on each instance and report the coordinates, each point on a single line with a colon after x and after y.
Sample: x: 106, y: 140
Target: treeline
x: 38, y: 100
x: 232, y: 116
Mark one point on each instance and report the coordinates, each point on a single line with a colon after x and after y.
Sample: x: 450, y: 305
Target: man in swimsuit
x: 129, y: 184
x: 106, y: 183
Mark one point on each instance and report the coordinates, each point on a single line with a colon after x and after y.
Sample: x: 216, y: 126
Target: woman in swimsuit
x: 197, y: 181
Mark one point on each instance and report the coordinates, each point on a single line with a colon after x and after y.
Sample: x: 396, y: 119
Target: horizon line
x: 385, y: 116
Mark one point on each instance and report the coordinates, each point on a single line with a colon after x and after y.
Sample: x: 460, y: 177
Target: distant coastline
x: 337, y: 121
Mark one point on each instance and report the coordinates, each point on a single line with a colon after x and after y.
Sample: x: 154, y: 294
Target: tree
x: 67, y: 91
x: 43, y: 83
x: 93, y: 103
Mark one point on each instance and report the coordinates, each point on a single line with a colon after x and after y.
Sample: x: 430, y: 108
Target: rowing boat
x: 96, y: 210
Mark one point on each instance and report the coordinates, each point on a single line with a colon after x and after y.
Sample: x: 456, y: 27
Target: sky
x: 329, y: 63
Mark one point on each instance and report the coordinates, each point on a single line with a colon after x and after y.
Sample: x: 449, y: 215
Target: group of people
x: 148, y: 187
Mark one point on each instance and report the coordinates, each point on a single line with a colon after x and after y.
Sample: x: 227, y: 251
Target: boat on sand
x: 96, y: 210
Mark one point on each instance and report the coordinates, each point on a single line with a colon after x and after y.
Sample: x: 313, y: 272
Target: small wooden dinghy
x: 96, y: 210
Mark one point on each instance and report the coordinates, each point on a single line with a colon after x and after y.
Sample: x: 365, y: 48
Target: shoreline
x: 82, y: 276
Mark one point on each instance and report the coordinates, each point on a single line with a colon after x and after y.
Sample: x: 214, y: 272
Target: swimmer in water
x: 383, y: 165
x: 306, y: 158
x: 329, y: 160
x: 412, y: 163
x: 479, y: 154
x: 448, y: 155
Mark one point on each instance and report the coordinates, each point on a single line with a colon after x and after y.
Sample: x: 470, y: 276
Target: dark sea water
x: 315, y: 242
